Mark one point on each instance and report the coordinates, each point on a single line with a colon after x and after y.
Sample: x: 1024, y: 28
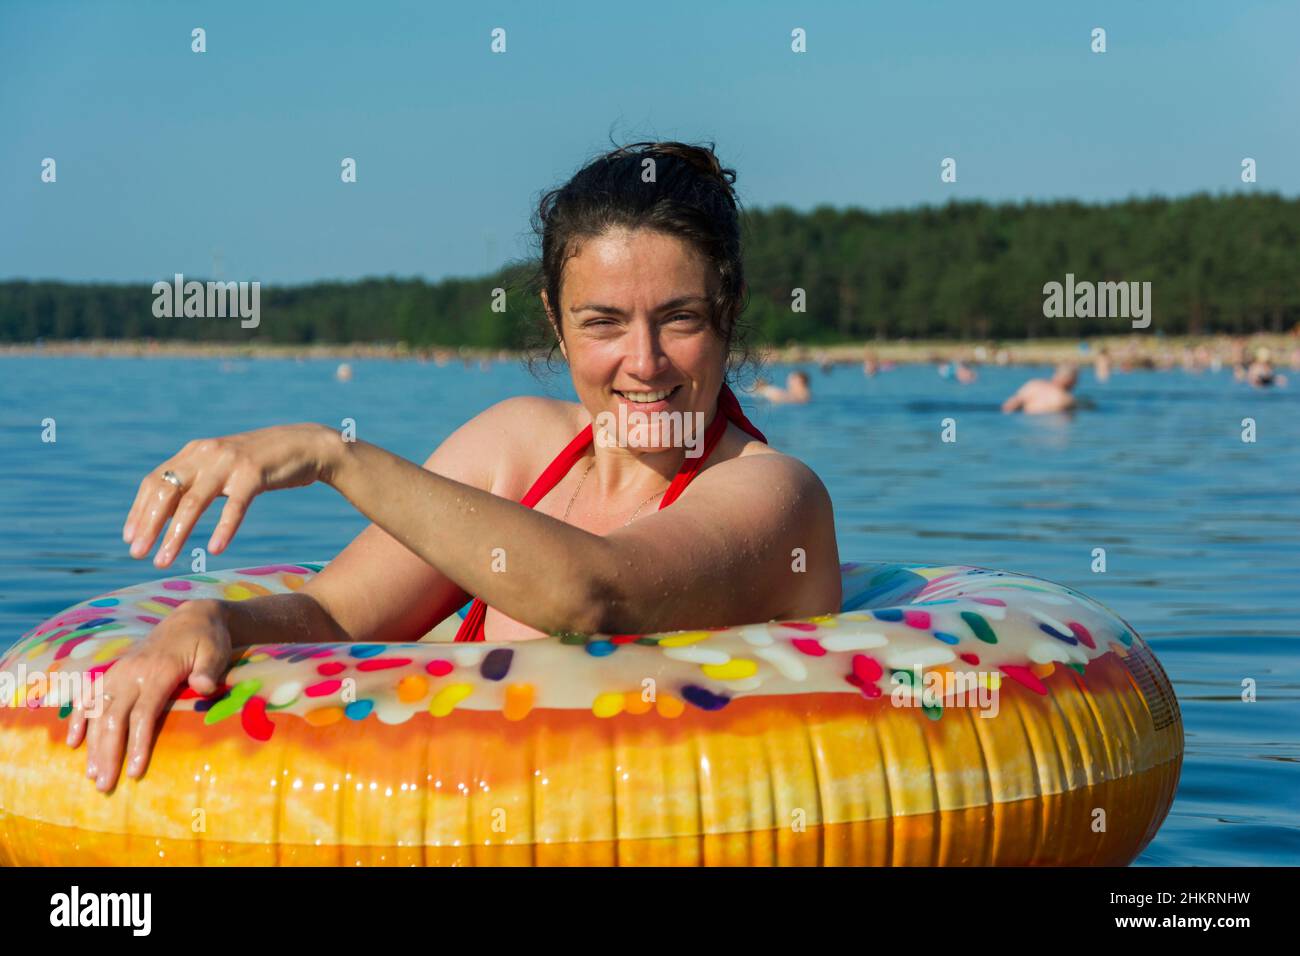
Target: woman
x: 642, y: 283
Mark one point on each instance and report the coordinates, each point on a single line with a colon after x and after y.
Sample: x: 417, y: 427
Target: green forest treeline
x: 961, y: 271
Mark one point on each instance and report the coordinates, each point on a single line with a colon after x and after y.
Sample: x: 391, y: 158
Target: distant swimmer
x: 1040, y: 396
x: 344, y: 372
x: 796, y: 391
x: 1260, y: 374
x: 964, y: 373
x: 1237, y: 359
x: 1101, y: 365
x: 870, y: 365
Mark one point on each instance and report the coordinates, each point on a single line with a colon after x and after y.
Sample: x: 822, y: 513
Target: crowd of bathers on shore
x: 1036, y: 396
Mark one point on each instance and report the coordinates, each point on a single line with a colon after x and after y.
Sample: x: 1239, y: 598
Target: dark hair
x: 691, y: 198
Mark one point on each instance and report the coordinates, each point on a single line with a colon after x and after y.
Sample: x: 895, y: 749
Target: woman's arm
x: 294, y: 618
x: 714, y: 557
x: 749, y: 542
x: 376, y: 589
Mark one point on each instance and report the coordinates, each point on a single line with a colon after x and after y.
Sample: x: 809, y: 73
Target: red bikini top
x: 729, y: 410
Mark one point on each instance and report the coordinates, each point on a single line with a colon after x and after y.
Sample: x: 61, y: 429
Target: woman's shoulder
x: 521, y: 435
x: 745, y: 459
x: 531, y: 415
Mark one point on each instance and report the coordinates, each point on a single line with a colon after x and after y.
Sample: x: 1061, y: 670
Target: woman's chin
x: 645, y: 445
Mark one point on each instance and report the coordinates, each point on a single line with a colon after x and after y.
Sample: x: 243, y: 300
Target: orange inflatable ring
x: 948, y: 715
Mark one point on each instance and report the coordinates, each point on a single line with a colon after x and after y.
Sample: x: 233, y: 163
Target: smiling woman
x: 642, y: 282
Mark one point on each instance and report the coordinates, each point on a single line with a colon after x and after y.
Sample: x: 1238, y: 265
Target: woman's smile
x: 659, y: 400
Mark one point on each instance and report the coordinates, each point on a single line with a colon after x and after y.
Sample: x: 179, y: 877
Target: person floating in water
x: 1237, y: 358
x: 1041, y: 396
x: 642, y: 289
x: 958, y: 370
x: 1101, y: 365
x: 1260, y: 373
x: 796, y: 391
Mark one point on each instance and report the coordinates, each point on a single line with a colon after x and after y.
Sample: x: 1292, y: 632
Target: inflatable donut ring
x: 948, y: 715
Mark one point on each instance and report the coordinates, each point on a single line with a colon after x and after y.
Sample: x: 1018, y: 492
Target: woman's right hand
x: 191, y: 644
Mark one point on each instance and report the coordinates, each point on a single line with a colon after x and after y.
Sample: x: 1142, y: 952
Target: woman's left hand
x: 240, y: 467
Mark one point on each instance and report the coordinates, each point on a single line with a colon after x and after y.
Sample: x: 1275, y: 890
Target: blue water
x: 1201, y: 530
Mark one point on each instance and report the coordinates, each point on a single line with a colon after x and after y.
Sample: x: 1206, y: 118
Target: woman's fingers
x: 149, y: 487
x: 211, y: 467
x: 112, y: 740
x: 119, y: 719
x: 132, y: 524
x: 76, y: 727
x: 211, y: 661
x: 91, y: 717
x: 137, y: 507
x: 144, y: 717
x: 88, y: 704
x: 238, y: 466
x: 108, y: 735
x: 232, y: 516
x: 188, y: 511
x: 160, y: 499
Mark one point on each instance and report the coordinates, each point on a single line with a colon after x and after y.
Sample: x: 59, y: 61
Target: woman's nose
x: 644, y: 354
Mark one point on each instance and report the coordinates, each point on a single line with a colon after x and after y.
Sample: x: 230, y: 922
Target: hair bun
x: 700, y: 158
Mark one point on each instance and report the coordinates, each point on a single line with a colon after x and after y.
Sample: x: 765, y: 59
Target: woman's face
x: 636, y: 333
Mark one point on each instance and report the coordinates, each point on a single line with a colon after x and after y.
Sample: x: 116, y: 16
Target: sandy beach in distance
x: 1140, y: 350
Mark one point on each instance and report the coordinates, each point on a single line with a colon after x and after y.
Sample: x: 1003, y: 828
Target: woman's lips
x: 661, y: 405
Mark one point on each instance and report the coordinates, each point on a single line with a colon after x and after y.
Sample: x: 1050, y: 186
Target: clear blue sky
x: 166, y: 157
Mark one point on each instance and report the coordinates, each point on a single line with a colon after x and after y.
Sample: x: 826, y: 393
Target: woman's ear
x: 555, y: 323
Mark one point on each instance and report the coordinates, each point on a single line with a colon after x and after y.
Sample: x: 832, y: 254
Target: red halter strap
x: 729, y: 410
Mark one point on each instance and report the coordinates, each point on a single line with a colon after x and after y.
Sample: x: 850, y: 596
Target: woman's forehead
x: 642, y: 254
x: 623, y: 277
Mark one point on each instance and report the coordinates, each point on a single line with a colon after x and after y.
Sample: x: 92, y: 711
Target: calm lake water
x: 1201, y: 530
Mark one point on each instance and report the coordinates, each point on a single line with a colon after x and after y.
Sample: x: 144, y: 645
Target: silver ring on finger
x: 174, y: 478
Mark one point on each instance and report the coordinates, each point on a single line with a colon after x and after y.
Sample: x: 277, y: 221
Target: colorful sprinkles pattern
x: 895, y: 617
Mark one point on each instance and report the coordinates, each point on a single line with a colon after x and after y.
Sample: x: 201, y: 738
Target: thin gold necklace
x: 579, y: 488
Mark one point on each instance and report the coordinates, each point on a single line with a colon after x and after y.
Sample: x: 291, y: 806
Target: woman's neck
x: 622, y: 471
